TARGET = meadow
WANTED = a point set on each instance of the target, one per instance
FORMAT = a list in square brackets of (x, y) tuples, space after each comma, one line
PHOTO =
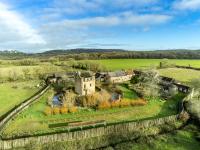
[(117, 64), (183, 75), (12, 93)]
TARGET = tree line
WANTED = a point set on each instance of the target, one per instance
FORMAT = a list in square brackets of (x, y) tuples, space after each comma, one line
[(80, 54)]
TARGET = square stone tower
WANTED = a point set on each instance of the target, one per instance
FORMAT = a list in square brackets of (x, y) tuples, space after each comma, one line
[(84, 83)]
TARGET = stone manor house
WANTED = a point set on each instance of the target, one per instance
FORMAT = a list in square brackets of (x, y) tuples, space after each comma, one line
[(84, 83)]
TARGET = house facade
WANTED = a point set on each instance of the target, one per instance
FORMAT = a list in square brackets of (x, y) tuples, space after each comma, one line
[(84, 83), (118, 76)]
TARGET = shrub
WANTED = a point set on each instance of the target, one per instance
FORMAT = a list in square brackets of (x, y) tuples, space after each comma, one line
[(63, 110), (184, 116), (90, 101), (104, 105), (73, 109), (56, 110), (115, 104), (139, 102), (125, 103), (48, 111)]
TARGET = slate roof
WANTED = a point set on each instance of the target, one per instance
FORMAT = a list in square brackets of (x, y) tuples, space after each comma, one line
[(117, 74)]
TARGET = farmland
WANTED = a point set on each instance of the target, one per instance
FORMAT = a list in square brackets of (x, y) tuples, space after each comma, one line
[(184, 75), (13, 93), (116, 64), (34, 121)]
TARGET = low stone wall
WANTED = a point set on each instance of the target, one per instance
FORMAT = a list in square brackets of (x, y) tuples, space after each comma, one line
[(21, 107), (122, 129)]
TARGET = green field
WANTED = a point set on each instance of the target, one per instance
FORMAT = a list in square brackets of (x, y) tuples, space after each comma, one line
[(12, 93), (183, 75), (33, 119), (116, 64)]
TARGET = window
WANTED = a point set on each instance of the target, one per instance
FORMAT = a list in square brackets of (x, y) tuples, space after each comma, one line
[(84, 86), (90, 84)]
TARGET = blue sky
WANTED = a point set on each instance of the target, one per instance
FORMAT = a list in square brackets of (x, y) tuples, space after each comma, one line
[(39, 25)]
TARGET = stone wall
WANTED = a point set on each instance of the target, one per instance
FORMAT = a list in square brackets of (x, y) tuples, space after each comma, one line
[(120, 79), (122, 129)]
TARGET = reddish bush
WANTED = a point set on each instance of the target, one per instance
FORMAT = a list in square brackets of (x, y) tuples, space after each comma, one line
[(115, 104), (139, 102), (104, 105), (63, 110), (125, 103), (56, 110), (73, 109)]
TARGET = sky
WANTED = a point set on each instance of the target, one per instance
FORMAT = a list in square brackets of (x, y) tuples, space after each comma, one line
[(39, 25)]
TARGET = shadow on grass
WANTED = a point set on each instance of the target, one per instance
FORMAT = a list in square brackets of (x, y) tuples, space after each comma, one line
[(172, 106)]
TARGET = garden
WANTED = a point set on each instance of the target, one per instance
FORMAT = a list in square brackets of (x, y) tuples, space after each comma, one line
[(94, 109)]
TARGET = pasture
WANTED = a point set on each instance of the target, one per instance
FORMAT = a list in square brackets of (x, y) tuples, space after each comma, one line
[(117, 64), (183, 75), (12, 93)]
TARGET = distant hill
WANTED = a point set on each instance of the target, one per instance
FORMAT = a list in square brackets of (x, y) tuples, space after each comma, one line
[(104, 54), (81, 50)]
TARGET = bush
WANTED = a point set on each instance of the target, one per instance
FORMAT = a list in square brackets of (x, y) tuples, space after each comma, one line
[(56, 110), (115, 104), (48, 111), (63, 110), (90, 101), (139, 102), (73, 109), (125, 103), (104, 105)]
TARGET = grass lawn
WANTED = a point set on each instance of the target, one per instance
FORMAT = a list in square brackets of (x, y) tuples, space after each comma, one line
[(117, 64), (33, 119), (10, 96), (184, 75), (127, 93)]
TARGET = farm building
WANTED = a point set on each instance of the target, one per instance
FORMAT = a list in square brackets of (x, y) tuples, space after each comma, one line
[(118, 76), (84, 83)]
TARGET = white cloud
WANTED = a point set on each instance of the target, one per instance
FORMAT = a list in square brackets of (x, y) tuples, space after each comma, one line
[(126, 18), (187, 4), (13, 28)]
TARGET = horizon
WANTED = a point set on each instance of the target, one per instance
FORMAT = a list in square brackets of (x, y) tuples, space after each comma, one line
[(114, 49), (146, 25)]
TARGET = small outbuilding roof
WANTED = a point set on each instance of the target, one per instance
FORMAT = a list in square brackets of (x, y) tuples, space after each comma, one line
[(117, 74)]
